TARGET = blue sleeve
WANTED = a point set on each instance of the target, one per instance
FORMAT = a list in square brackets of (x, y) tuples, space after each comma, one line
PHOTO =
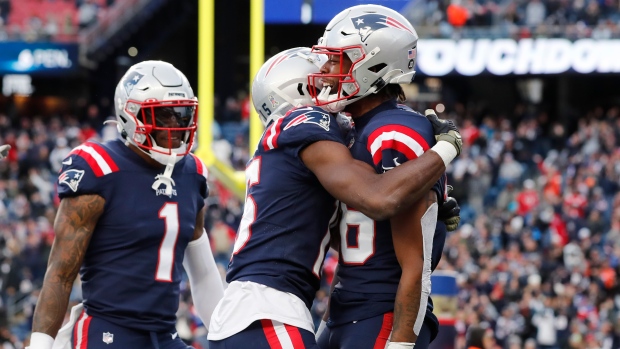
[(201, 174), (300, 128), (78, 178), (204, 193), (395, 139), (439, 241), (440, 188)]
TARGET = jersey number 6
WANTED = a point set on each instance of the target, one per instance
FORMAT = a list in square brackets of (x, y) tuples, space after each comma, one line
[(357, 236)]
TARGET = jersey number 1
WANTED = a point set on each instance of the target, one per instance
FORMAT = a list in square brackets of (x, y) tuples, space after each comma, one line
[(165, 261)]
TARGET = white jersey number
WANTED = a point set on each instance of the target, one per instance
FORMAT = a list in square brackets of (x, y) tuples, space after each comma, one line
[(170, 214), (252, 177), (363, 228)]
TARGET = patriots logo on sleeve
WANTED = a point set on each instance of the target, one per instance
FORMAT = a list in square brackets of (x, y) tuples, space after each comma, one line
[(312, 117), (366, 24), (71, 178)]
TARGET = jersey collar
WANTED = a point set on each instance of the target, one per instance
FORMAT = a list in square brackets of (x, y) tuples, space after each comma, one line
[(362, 121)]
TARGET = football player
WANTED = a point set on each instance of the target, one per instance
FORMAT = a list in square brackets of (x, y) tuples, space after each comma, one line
[(301, 166), (131, 213), (384, 264)]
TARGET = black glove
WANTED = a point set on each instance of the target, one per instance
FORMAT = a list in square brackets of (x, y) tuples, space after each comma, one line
[(449, 212), (445, 130)]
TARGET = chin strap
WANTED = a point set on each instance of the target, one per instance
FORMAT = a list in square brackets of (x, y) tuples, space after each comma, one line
[(166, 177), (331, 105)]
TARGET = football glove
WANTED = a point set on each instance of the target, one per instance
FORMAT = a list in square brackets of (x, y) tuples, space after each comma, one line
[(445, 130), (449, 212)]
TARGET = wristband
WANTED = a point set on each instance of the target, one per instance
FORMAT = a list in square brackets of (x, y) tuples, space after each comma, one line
[(446, 151), (400, 345), (40, 340)]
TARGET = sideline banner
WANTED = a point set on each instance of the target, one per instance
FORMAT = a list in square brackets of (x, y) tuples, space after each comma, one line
[(471, 57), (445, 306), (316, 11), (38, 58)]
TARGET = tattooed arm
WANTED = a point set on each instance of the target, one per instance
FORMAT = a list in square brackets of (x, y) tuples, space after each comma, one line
[(412, 234), (74, 225)]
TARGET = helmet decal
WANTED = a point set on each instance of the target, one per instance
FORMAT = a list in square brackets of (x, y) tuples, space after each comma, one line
[(367, 23), (131, 80), (274, 102), (282, 58)]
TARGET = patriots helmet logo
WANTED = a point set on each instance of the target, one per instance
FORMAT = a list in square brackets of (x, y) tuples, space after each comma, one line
[(366, 24), (131, 80), (312, 117), (71, 178)]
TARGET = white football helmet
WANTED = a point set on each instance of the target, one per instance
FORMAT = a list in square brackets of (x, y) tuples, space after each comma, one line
[(282, 83), (157, 88), (381, 45)]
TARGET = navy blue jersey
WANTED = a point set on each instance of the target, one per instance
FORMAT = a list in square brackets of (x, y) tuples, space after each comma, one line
[(133, 264), (284, 232), (369, 273)]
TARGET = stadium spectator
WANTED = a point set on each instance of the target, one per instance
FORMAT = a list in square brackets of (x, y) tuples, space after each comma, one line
[(534, 13), (5, 10), (87, 14)]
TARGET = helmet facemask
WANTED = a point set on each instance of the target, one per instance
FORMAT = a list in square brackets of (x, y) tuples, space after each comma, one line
[(339, 88), (170, 133)]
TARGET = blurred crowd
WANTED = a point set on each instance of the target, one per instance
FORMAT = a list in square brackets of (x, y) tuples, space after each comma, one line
[(573, 19), (538, 249), (48, 20), (60, 20)]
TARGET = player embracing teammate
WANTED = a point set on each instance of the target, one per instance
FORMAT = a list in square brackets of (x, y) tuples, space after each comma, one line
[(308, 162)]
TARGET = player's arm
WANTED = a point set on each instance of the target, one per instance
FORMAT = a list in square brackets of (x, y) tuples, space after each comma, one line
[(412, 234), (325, 318), (357, 184), (204, 277), (74, 226)]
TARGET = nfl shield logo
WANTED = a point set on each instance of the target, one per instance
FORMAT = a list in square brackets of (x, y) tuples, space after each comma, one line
[(108, 338)]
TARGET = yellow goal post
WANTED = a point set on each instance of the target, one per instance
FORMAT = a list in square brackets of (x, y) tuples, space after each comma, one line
[(229, 177)]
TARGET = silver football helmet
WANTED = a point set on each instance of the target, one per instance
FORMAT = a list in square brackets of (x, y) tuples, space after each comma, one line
[(156, 110), (282, 83), (381, 45)]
